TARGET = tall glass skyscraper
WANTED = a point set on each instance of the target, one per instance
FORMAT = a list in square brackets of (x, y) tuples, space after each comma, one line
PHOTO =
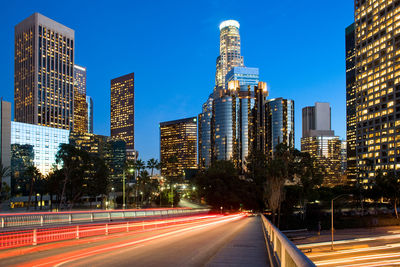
[(279, 123), (44, 72), (80, 107), (229, 51), (245, 76)]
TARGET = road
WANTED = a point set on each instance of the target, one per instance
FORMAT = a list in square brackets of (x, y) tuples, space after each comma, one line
[(355, 247), (228, 241)]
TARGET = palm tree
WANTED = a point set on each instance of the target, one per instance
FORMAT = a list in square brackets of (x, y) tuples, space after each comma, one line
[(34, 175), (152, 164)]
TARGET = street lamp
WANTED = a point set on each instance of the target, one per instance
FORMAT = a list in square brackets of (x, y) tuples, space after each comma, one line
[(350, 195), (123, 188)]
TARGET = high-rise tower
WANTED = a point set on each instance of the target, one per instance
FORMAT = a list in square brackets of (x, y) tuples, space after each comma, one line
[(122, 110), (229, 51), (377, 96), (80, 106), (44, 72)]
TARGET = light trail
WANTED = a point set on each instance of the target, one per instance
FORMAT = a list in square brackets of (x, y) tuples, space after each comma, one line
[(59, 260), (337, 242), (348, 251), (358, 258)]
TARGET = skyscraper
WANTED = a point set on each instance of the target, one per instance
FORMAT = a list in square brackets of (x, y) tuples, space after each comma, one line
[(204, 134), (123, 110), (80, 106), (279, 123), (43, 72), (5, 137), (89, 104), (377, 87), (321, 143), (178, 146), (229, 51), (351, 119)]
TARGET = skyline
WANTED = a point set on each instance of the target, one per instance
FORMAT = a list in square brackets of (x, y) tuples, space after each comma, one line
[(161, 89)]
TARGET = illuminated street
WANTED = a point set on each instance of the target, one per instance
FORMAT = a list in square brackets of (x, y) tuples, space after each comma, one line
[(355, 247), (227, 240)]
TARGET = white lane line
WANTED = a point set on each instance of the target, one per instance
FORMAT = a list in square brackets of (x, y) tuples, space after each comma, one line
[(359, 258), (389, 246)]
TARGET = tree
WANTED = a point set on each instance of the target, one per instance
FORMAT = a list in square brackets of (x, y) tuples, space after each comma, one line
[(152, 164), (34, 174), (389, 187)]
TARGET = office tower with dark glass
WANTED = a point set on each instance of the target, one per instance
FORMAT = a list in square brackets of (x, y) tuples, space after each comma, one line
[(80, 106), (178, 146), (351, 119), (43, 72), (377, 47), (321, 143), (279, 124), (204, 134), (89, 104), (123, 110)]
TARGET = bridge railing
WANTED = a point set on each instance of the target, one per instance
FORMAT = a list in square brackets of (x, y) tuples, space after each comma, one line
[(34, 219), (281, 250)]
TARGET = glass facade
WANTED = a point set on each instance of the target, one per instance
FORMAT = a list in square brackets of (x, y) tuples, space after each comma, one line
[(223, 129), (43, 72), (351, 120), (178, 146), (22, 157), (205, 121), (44, 140), (80, 106), (327, 152), (123, 109), (279, 123), (245, 76), (89, 103)]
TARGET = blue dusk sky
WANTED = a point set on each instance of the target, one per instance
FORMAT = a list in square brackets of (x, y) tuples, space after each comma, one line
[(172, 46)]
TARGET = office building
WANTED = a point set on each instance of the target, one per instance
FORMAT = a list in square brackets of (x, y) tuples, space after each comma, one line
[(89, 142), (44, 140), (377, 87), (89, 104), (279, 121), (178, 146), (123, 112), (44, 73), (245, 76), (229, 51), (204, 134), (22, 157), (351, 119), (80, 106), (5, 137), (321, 143)]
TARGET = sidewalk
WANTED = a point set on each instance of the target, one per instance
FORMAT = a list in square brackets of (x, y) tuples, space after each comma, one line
[(247, 248)]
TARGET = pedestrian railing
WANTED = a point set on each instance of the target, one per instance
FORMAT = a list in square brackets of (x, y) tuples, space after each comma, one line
[(46, 235), (72, 217), (282, 252)]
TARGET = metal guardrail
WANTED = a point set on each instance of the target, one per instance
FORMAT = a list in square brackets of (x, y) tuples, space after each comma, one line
[(37, 236), (281, 250), (51, 218)]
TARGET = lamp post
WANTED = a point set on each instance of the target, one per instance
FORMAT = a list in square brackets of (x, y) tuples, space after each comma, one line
[(350, 195), (123, 190)]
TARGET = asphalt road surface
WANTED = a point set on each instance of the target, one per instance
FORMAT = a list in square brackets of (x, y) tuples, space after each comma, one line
[(228, 241), (355, 247)]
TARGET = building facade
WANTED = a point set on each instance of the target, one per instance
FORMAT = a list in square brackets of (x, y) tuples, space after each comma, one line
[(204, 134), (351, 119), (178, 146), (377, 87), (44, 73), (80, 106), (279, 124), (5, 137), (44, 140), (123, 110), (89, 104), (320, 142)]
